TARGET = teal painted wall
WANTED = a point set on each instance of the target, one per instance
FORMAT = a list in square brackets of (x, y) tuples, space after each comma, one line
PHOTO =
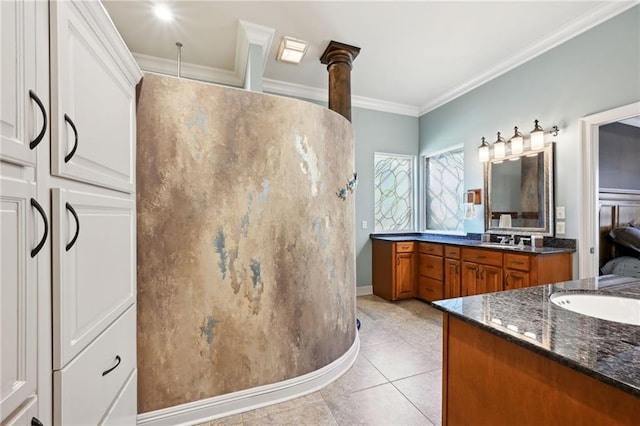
[(375, 132), (593, 72)]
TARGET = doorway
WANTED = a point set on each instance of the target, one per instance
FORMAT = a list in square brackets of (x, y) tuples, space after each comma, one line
[(588, 250)]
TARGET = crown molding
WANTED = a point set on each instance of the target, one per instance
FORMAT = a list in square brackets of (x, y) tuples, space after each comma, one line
[(569, 31), (189, 70), (316, 94)]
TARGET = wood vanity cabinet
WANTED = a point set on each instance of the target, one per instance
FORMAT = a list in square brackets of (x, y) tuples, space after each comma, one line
[(481, 271), (394, 269), (452, 272), (431, 271)]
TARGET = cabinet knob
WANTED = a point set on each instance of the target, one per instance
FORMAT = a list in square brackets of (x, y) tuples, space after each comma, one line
[(36, 422)]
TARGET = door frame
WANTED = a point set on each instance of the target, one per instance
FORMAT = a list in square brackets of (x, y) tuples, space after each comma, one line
[(589, 229)]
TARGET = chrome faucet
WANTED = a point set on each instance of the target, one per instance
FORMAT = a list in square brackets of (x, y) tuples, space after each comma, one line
[(508, 240)]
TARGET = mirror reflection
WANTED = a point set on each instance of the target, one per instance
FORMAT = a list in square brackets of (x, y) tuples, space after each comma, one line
[(519, 194)]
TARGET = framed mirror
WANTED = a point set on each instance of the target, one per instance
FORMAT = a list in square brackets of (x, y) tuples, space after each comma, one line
[(519, 194)]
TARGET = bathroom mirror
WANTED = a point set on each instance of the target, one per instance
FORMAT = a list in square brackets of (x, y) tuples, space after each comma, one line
[(519, 193)]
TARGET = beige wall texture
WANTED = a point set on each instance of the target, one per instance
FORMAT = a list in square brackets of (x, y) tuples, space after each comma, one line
[(246, 268)]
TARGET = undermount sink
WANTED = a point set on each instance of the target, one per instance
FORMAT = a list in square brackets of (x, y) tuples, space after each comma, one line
[(611, 308)]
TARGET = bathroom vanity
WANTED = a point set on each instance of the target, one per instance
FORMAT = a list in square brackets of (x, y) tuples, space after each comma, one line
[(433, 269), (517, 357)]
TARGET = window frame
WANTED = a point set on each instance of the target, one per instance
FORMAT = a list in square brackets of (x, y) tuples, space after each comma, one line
[(415, 190), (425, 157)]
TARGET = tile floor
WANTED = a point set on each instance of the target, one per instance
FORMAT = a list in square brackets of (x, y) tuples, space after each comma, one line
[(396, 379)]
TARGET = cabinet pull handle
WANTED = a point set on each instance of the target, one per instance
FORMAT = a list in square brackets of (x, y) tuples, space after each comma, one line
[(36, 422), (38, 207), (481, 257), (506, 279), (75, 216), (75, 143), (38, 102), (517, 262), (118, 359)]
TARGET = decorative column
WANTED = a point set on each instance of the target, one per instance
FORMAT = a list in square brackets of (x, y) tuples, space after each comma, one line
[(338, 57)]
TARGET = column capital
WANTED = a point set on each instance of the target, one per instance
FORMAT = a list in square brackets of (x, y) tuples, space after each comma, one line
[(339, 52)]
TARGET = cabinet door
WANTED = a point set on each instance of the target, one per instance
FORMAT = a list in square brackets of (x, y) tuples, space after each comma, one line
[(92, 105), (470, 277), (491, 279), (405, 276), (515, 279), (18, 292), (18, 113), (93, 267), (451, 278)]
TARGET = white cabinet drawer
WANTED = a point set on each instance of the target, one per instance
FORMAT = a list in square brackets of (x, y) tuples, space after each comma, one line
[(85, 389), (92, 104), (94, 280), (125, 408)]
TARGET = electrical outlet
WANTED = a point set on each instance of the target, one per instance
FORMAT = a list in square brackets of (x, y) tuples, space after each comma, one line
[(364, 224), (560, 228), (560, 213)]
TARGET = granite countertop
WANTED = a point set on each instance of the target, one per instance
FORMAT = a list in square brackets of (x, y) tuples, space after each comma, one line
[(469, 242), (606, 350)]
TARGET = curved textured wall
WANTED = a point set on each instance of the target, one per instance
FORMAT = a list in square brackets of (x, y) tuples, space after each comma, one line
[(245, 252)]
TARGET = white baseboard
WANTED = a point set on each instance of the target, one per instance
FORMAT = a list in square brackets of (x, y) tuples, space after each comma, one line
[(364, 290), (237, 402)]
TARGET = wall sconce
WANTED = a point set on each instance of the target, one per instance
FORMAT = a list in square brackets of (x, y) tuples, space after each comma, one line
[(516, 143), (291, 50), (499, 147)]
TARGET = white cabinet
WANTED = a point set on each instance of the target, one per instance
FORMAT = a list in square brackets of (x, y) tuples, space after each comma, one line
[(94, 278), (18, 77), (18, 292), (91, 286), (23, 213), (89, 93)]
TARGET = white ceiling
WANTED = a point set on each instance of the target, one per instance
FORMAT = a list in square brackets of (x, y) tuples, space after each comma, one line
[(415, 55)]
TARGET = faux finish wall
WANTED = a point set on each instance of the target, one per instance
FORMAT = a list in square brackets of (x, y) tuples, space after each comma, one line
[(245, 252), (595, 71)]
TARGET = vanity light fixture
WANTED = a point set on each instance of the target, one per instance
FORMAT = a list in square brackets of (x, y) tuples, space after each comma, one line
[(163, 12), (516, 142), (499, 147), (291, 50), (483, 151)]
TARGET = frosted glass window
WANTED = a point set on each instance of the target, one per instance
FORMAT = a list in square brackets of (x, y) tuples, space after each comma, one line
[(444, 183), (394, 178)]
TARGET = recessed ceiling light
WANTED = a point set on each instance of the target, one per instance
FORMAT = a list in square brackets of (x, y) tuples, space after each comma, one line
[(291, 50), (163, 12)]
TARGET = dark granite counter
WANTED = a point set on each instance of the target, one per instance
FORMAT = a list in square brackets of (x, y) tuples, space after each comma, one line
[(471, 241), (606, 350)]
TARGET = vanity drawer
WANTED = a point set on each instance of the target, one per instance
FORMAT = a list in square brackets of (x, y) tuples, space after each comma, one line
[(430, 266), (430, 289), (431, 248), (85, 389), (405, 247), (452, 252), (486, 257), (521, 262)]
